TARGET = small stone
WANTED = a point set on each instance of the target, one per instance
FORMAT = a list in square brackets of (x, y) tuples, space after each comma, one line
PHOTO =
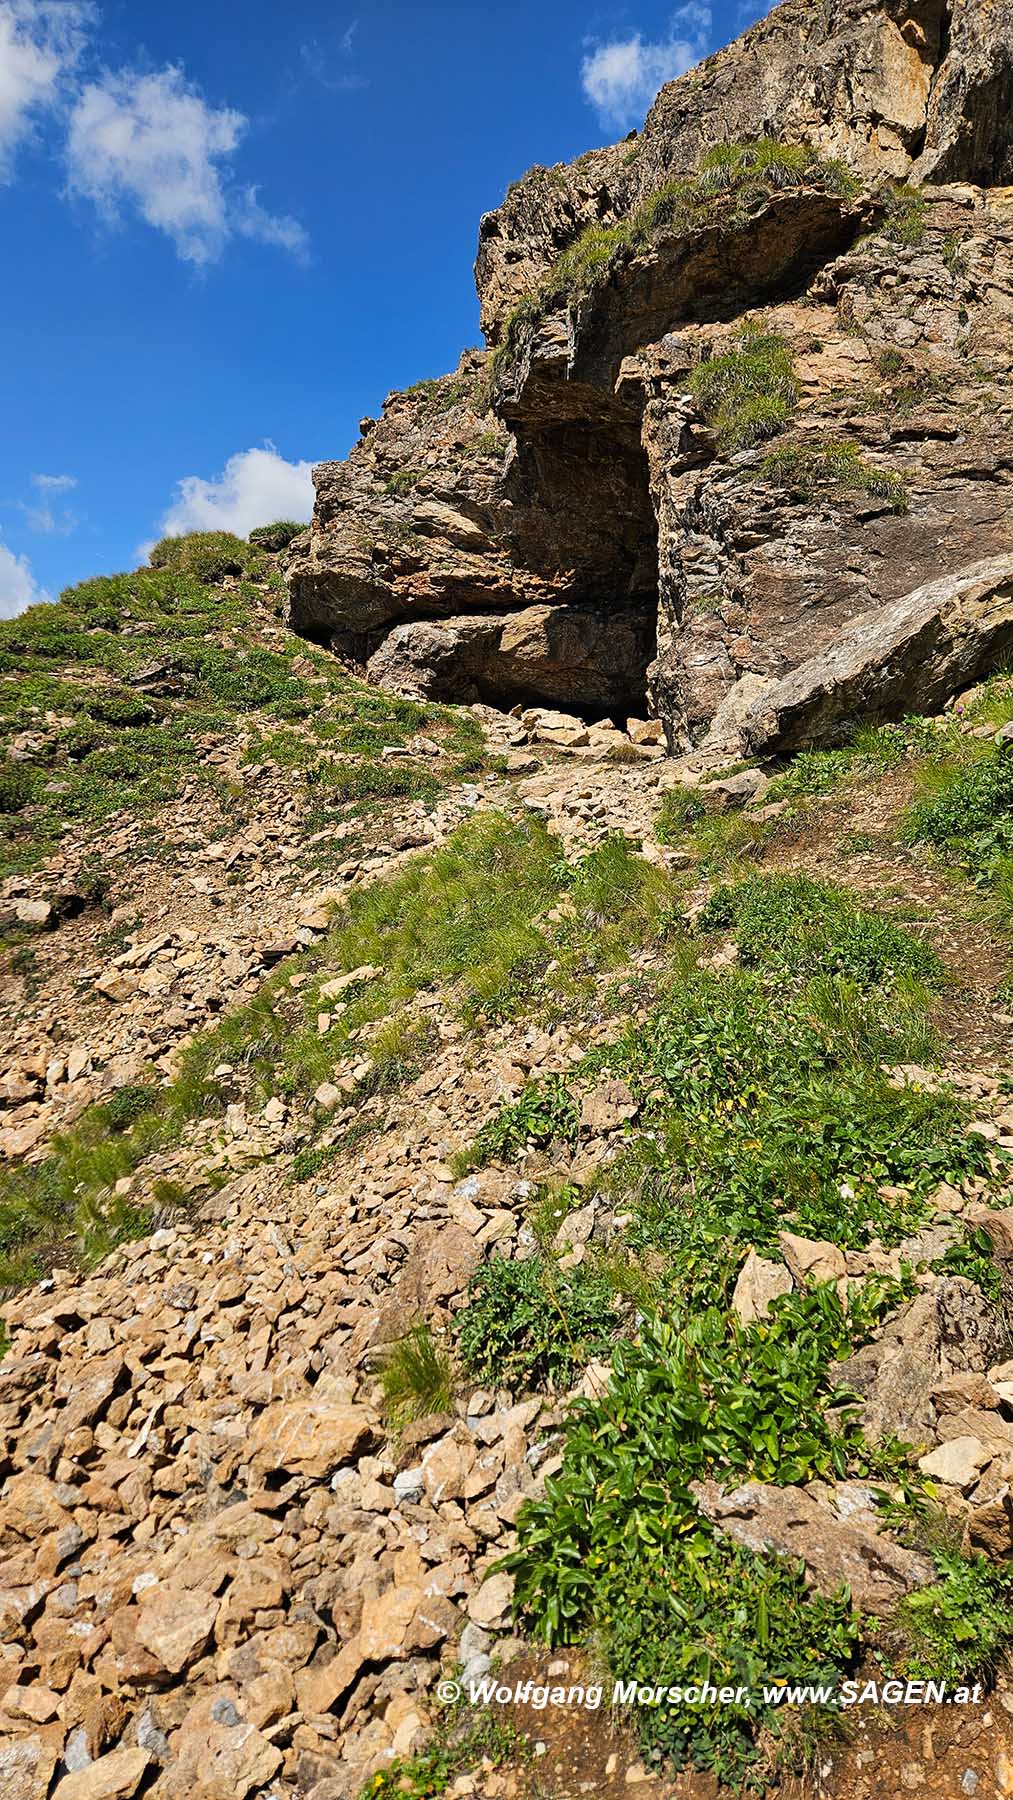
[(490, 1604), (956, 1463), (112, 1777), (759, 1284)]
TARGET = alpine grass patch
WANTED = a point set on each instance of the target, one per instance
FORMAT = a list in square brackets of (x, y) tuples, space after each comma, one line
[(804, 466), (749, 393)]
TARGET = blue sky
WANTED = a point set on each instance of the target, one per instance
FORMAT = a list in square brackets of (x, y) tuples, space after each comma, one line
[(230, 229)]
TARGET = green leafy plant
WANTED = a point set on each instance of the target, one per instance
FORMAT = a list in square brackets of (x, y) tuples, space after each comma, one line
[(970, 813), (532, 1324), (207, 555), (765, 1104), (618, 1544), (956, 1629), (18, 783), (797, 927), (973, 1256), (545, 1112)]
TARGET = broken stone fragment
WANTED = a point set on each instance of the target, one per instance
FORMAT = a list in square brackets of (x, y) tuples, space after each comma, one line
[(811, 1260), (956, 1463), (760, 1283), (607, 1106), (311, 1436), (113, 1777)]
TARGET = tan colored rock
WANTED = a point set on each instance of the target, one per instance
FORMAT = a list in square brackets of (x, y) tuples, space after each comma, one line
[(447, 1465), (811, 1260), (956, 1463), (223, 1758), (760, 1282), (794, 1523), (26, 1767), (312, 1436), (608, 1105), (113, 1777), (401, 1620), (175, 1624), (114, 985), (35, 1701), (950, 1329), (490, 1604), (645, 731)]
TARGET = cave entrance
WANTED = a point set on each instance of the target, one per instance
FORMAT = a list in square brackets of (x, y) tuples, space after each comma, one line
[(586, 525)]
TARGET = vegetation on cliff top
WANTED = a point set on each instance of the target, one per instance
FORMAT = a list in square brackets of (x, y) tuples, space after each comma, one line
[(729, 178)]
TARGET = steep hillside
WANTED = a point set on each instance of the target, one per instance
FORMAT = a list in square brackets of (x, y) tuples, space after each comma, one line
[(506, 1213)]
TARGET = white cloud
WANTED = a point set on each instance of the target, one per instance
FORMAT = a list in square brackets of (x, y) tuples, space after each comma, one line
[(18, 586), (55, 483), (622, 77), (154, 144), (49, 523), (320, 65), (40, 41), (254, 488)]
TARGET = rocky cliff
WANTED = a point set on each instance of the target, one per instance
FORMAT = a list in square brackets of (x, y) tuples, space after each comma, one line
[(746, 386)]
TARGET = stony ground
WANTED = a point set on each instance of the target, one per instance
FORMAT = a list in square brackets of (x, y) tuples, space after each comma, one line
[(222, 1574)]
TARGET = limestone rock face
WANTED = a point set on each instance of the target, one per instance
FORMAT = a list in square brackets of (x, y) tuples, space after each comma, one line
[(561, 520), (895, 87)]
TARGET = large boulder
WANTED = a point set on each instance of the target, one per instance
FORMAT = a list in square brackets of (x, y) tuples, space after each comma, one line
[(835, 1534), (907, 657), (949, 1329)]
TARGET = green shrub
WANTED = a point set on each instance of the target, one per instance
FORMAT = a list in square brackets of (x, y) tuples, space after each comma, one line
[(460, 1746), (905, 217), (680, 808), (813, 773), (416, 1377), (277, 536), (804, 467), (128, 1104), (532, 1324), (207, 555), (971, 813), (18, 784), (121, 709), (402, 481), (957, 1629), (796, 927), (751, 392)]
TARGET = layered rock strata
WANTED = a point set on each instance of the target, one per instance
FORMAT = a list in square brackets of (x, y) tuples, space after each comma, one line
[(561, 520)]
